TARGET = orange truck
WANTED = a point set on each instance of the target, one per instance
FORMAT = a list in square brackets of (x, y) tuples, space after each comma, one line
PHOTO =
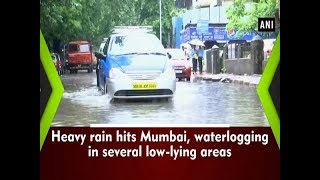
[(79, 55)]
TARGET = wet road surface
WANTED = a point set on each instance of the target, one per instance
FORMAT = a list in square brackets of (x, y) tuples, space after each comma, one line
[(195, 102)]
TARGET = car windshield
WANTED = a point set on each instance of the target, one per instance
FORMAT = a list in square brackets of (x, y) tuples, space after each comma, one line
[(84, 48), (73, 47), (136, 44), (79, 48), (177, 54)]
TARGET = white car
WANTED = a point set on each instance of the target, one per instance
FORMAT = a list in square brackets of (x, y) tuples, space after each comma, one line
[(135, 65)]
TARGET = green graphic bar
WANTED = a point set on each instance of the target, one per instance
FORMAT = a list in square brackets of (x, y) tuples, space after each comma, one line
[(57, 90), (263, 90)]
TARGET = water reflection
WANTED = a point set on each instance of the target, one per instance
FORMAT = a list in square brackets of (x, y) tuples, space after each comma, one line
[(194, 102)]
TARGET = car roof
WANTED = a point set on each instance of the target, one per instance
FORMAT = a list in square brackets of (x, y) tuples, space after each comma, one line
[(132, 29), (130, 34), (79, 42)]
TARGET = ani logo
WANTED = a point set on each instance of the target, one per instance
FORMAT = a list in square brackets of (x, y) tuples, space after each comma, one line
[(266, 24)]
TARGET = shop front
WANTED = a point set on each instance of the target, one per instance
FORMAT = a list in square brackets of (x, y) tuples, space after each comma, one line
[(216, 35)]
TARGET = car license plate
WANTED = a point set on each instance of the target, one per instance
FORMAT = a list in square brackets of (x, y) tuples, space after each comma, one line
[(178, 71), (145, 85)]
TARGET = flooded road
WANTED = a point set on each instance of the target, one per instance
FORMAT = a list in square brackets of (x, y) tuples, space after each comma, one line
[(195, 102)]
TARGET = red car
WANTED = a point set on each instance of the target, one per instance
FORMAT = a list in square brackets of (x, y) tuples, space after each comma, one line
[(182, 66)]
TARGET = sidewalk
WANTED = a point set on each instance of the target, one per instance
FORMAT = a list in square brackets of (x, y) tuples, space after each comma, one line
[(251, 80)]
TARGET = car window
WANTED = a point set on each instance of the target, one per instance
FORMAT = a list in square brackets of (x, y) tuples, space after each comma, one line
[(84, 48), (73, 48), (101, 47), (136, 43), (105, 48)]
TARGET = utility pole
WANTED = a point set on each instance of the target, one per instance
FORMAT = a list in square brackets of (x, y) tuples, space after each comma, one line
[(219, 13), (160, 22)]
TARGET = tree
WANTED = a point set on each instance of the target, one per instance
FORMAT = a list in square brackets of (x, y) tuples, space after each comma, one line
[(246, 19), (64, 20)]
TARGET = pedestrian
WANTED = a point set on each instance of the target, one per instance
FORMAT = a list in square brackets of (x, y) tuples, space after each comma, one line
[(200, 53), (194, 56)]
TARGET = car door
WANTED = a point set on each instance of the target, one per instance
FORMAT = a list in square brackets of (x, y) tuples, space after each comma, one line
[(103, 65)]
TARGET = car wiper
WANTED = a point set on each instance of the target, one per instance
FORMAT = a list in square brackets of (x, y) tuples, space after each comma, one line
[(133, 53), (142, 53), (158, 53), (126, 54)]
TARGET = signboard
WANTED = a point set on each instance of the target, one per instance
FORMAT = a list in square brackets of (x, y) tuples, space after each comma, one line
[(216, 34), (186, 35), (202, 26)]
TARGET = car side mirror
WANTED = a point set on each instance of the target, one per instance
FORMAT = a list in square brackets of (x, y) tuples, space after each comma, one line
[(169, 55), (99, 55)]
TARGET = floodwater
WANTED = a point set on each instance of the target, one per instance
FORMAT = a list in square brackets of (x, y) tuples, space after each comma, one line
[(195, 102)]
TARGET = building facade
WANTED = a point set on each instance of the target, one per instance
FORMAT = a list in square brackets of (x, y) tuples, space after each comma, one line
[(214, 13)]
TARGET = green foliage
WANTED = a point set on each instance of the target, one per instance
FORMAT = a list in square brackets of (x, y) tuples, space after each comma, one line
[(246, 19), (64, 20)]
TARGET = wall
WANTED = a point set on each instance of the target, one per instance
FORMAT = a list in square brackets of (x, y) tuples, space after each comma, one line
[(239, 67)]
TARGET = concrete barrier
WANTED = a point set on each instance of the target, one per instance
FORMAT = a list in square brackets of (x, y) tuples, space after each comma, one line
[(212, 61), (239, 66)]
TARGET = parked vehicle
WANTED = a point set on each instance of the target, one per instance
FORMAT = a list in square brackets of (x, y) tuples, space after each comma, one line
[(267, 47), (135, 65), (80, 56), (58, 63), (181, 64)]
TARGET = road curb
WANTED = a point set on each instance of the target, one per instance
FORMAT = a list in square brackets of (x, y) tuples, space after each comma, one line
[(229, 78)]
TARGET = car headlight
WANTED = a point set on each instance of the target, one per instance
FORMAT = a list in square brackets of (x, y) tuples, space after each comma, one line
[(116, 73)]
